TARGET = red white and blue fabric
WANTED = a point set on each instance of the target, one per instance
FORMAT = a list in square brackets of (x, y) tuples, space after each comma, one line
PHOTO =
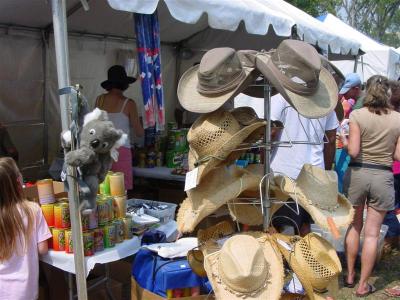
[(147, 30)]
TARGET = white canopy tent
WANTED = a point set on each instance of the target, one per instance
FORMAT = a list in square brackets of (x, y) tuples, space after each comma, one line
[(103, 36), (378, 58)]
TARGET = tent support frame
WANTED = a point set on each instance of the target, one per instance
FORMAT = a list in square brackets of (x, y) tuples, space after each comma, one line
[(63, 75)]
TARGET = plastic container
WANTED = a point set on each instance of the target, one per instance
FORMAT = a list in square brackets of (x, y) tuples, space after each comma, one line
[(164, 215), (339, 243)]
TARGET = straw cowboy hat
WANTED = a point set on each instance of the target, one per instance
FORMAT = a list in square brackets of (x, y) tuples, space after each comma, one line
[(222, 184), (214, 136), (207, 239), (314, 261), (317, 192), (218, 78), (247, 266), (295, 70)]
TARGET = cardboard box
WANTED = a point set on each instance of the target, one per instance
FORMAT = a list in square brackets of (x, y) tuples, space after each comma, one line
[(138, 293), (31, 192)]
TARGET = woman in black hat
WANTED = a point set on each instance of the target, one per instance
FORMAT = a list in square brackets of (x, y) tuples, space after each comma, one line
[(123, 112)]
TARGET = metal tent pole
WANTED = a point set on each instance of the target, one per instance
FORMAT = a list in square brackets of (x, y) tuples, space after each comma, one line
[(267, 159), (61, 47)]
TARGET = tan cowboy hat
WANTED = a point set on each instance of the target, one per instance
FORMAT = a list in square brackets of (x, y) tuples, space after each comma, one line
[(222, 184), (213, 138), (295, 70), (247, 212), (313, 260), (207, 239), (247, 266), (218, 78), (317, 192)]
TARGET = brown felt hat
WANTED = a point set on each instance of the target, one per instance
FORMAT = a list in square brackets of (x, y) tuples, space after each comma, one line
[(295, 70)]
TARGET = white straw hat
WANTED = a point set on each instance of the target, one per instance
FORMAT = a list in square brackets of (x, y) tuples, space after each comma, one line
[(317, 192), (248, 266)]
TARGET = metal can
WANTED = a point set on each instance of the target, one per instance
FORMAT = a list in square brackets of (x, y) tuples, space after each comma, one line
[(88, 243), (178, 140), (142, 160), (68, 242), (159, 159), (58, 239), (98, 239), (48, 213), (127, 227), (119, 205), (93, 220), (61, 215), (104, 209), (109, 235), (185, 145), (151, 159), (85, 222), (119, 230)]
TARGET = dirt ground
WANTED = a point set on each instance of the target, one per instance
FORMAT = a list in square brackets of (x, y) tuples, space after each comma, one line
[(385, 275)]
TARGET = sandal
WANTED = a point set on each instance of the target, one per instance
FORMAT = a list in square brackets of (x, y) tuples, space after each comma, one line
[(393, 292), (349, 285), (371, 290)]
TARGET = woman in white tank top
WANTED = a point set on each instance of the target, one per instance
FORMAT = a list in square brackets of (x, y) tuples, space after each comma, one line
[(123, 113)]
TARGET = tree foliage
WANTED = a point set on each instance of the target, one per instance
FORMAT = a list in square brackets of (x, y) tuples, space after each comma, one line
[(379, 19)]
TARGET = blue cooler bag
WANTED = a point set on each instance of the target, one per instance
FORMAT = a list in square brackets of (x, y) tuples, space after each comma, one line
[(158, 274)]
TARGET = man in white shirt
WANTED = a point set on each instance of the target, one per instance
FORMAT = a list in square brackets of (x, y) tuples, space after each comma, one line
[(289, 160)]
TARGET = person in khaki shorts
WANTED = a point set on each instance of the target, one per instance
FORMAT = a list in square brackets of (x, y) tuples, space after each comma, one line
[(373, 143)]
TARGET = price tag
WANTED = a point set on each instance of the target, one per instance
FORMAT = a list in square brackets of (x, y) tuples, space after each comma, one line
[(191, 179)]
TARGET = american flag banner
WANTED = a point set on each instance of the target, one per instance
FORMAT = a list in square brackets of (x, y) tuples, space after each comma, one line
[(147, 30)]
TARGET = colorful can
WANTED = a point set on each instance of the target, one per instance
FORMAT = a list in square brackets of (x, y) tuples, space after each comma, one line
[(48, 213), (58, 239), (185, 145), (85, 222), (159, 159), (93, 220), (109, 235), (117, 184), (119, 206), (98, 239), (45, 191), (61, 215), (68, 242), (142, 160), (151, 159), (104, 209), (119, 230), (88, 243), (127, 227)]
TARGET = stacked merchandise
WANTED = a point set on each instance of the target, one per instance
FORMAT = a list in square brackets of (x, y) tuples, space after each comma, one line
[(152, 155), (249, 264), (177, 149), (102, 228)]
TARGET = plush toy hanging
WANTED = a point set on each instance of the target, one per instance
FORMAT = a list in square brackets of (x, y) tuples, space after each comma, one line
[(99, 141)]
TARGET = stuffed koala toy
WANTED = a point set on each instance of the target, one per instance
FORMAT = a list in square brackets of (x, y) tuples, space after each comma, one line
[(99, 141)]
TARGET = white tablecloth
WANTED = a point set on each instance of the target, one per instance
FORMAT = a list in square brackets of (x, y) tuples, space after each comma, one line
[(65, 261), (157, 173)]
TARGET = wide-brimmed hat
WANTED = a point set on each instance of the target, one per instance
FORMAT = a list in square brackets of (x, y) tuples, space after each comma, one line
[(222, 184), (247, 266), (117, 75), (207, 239), (317, 192), (312, 259), (295, 70), (218, 78), (213, 137)]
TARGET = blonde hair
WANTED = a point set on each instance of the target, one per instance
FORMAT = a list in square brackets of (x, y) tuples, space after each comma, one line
[(14, 233), (378, 95)]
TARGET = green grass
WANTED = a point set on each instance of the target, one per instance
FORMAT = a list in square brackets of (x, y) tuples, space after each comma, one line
[(385, 275)]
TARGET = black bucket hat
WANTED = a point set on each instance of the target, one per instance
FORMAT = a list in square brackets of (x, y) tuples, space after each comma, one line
[(116, 75)]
